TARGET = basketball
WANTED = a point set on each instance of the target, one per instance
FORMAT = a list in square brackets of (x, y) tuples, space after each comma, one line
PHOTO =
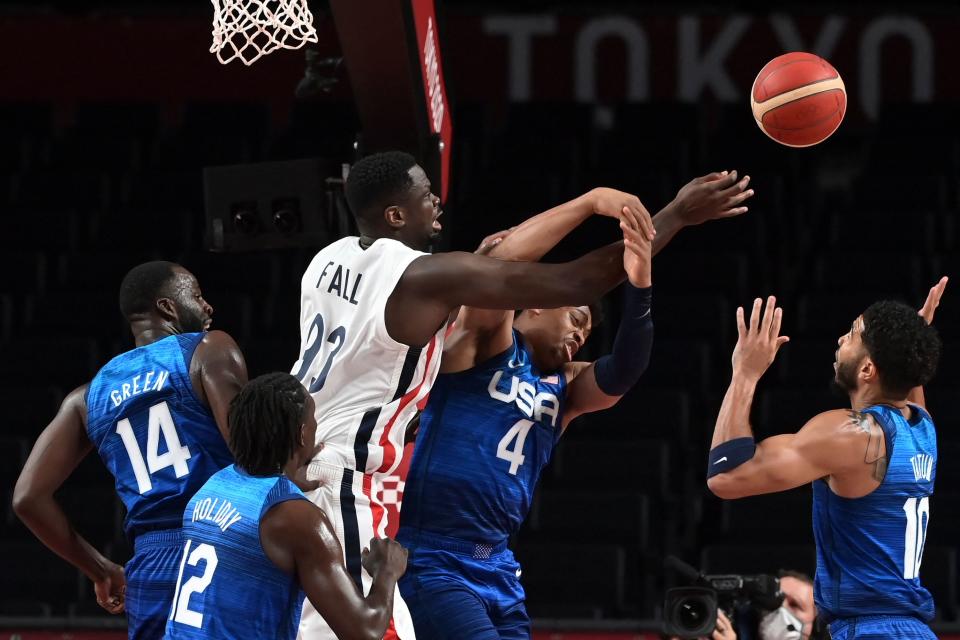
[(798, 99)]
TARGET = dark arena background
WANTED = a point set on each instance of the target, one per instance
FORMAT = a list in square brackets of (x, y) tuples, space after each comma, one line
[(123, 139)]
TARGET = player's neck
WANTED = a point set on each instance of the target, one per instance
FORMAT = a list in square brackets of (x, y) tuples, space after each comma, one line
[(869, 396), (148, 331)]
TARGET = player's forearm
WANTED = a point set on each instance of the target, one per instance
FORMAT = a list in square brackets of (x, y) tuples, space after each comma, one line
[(380, 605), (667, 223), (733, 421), (533, 238), (580, 282), (44, 517)]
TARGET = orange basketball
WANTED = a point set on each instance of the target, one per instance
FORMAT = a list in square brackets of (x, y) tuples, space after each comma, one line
[(798, 99)]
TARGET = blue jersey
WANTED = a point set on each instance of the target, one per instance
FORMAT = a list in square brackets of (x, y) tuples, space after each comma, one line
[(228, 587), (484, 438), (869, 549), (153, 433)]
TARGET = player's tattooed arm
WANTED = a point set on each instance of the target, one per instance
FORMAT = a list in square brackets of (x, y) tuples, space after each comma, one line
[(830, 443), (875, 454)]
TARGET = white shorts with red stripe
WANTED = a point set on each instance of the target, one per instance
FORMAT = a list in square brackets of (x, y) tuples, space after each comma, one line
[(348, 498)]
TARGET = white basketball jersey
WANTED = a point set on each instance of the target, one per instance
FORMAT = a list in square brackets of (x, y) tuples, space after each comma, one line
[(365, 384)]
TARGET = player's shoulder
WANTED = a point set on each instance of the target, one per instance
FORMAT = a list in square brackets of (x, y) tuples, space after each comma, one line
[(573, 369), (218, 339), (293, 523), (839, 429), (76, 400)]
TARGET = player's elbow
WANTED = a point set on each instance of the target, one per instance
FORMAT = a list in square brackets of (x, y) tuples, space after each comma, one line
[(721, 485), (23, 500)]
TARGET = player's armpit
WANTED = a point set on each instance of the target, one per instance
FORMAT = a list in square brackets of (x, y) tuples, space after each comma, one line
[(478, 335), (583, 393), (830, 443), (222, 373)]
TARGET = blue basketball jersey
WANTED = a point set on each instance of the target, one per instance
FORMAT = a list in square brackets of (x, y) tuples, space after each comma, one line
[(869, 549), (153, 433), (228, 587), (484, 438)]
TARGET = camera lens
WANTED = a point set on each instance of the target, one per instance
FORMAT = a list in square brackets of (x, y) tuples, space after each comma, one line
[(691, 613)]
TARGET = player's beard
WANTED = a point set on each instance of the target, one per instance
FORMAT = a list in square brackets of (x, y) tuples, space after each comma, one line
[(845, 380), (190, 321)]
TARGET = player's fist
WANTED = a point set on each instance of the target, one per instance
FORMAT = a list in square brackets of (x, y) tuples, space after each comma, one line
[(384, 554), (625, 206), (111, 588)]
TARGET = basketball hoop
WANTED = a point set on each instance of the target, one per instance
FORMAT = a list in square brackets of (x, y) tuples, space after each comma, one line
[(250, 29)]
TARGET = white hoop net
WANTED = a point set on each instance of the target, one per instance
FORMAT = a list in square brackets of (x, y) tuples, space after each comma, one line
[(250, 29)]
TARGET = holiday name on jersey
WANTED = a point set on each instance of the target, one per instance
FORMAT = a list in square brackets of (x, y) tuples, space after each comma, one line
[(532, 404), (339, 282), (143, 383), (223, 514)]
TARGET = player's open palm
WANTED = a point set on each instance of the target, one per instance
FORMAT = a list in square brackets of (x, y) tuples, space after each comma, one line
[(713, 196), (759, 340), (111, 589), (384, 554), (637, 250)]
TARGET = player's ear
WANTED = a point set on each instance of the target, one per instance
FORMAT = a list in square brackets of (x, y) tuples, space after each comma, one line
[(868, 370), (167, 309), (535, 312), (394, 217)]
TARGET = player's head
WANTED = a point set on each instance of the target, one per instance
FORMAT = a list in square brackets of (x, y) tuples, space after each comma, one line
[(555, 335), (166, 292), (890, 347), (271, 424), (390, 196)]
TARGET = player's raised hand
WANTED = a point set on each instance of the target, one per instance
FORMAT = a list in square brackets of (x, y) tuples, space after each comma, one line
[(626, 206), (758, 341), (711, 197), (111, 589), (933, 300), (384, 554), (637, 253)]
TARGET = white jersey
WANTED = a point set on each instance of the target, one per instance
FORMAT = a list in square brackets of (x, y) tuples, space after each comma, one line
[(365, 384)]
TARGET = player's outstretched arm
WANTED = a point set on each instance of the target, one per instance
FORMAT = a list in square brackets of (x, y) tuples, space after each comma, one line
[(916, 395), (601, 384), (434, 285), (832, 443), (57, 452), (715, 196), (482, 333), (221, 371), (533, 238), (299, 539)]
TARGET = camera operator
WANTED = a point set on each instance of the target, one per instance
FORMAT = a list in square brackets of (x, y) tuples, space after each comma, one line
[(724, 630)]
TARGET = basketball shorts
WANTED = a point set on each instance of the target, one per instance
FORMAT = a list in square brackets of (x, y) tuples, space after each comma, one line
[(457, 589), (880, 628), (347, 497), (151, 581)]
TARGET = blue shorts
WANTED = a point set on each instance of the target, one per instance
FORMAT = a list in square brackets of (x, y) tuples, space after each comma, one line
[(151, 580), (456, 589), (880, 628)]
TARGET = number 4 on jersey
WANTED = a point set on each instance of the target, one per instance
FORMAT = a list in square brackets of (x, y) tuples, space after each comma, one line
[(176, 455), (514, 456)]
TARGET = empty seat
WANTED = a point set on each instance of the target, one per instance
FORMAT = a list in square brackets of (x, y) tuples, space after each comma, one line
[(586, 576), (786, 517), (26, 271), (938, 573), (701, 272), (601, 516), (830, 315), (898, 273), (758, 558), (684, 364), (90, 313), (805, 362), (66, 362), (29, 408), (643, 465), (31, 571), (786, 410), (641, 414)]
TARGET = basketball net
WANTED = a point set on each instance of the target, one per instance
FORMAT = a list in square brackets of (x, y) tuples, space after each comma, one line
[(250, 29)]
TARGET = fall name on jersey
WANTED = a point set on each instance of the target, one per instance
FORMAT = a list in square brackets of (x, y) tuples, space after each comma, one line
[(220, 512), (340, 281), (141, 383)]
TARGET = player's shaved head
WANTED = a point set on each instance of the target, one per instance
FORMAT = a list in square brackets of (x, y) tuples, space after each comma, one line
[(144, 285), (377, 182)]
